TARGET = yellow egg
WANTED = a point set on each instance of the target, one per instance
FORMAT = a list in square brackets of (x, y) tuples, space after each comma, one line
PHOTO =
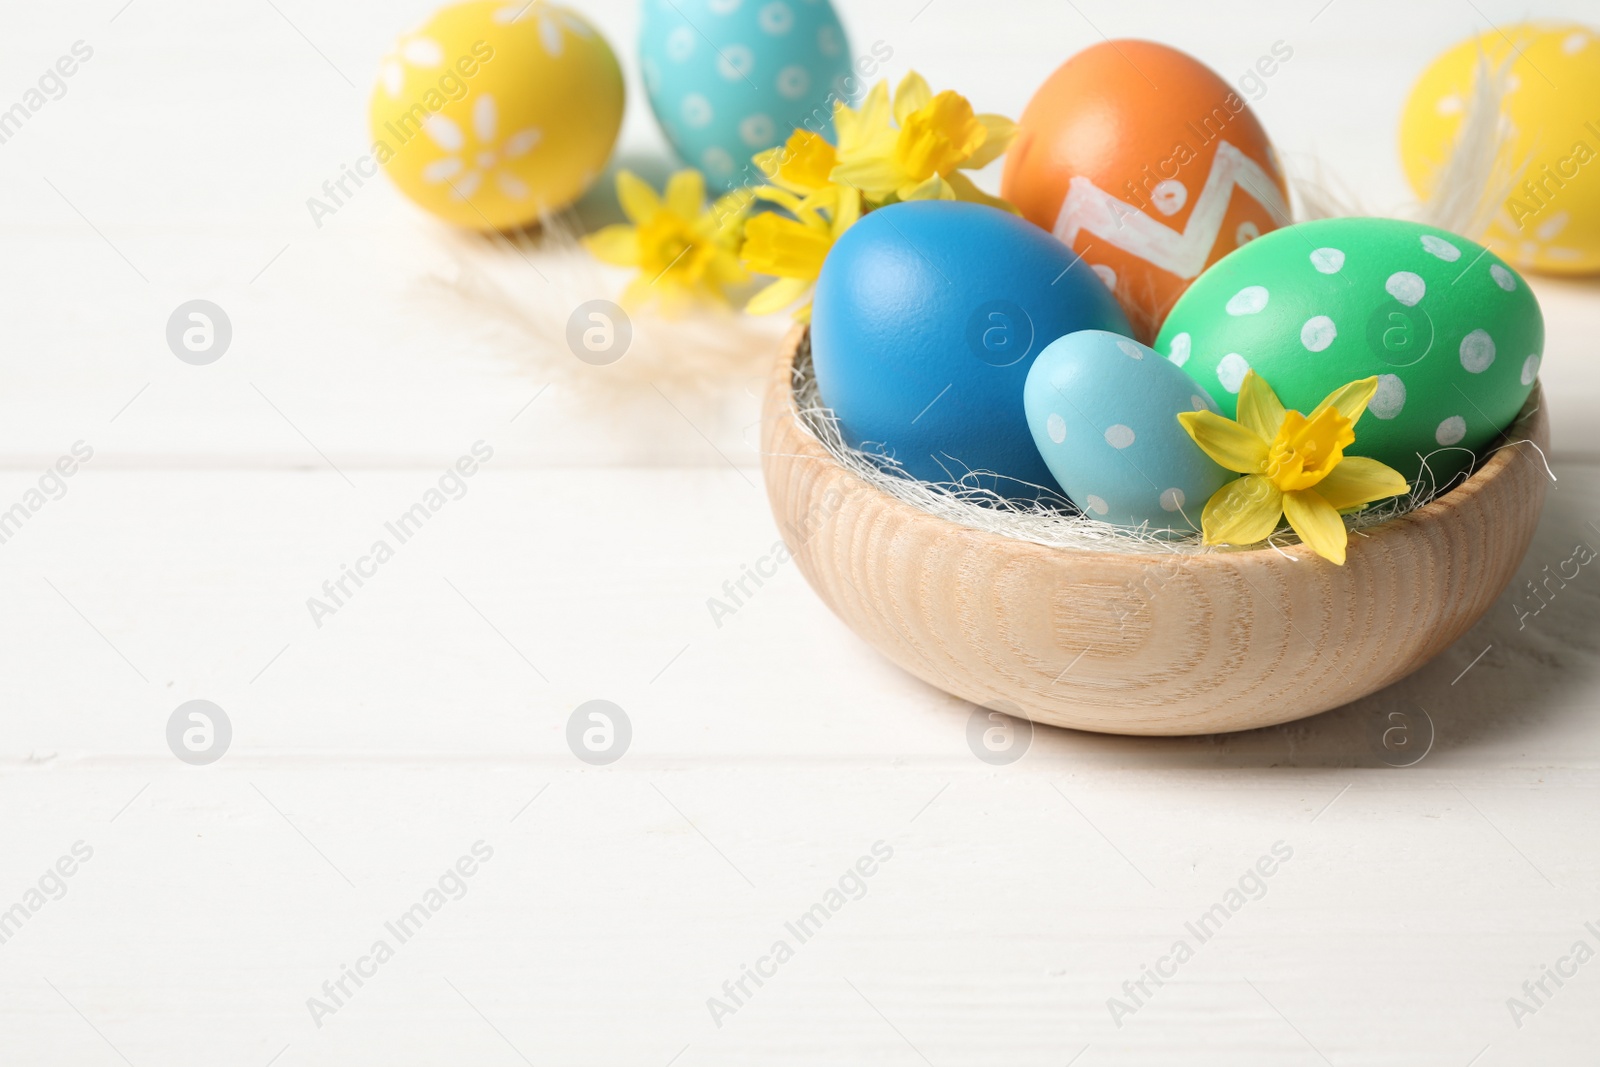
[(1551, 219), (495, 111)]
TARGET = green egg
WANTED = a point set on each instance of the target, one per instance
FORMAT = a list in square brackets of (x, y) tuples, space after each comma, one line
[(1452, 333)]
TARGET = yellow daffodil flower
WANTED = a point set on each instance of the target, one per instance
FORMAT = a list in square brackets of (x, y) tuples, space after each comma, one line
[(937, 138), (800, 165), (1293, 465), (792, 249), (683, 249)]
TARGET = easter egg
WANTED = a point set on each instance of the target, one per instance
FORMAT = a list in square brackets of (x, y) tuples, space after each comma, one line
[(1550, 115), (730, 78), (1149, 165), (1453, 335), (1103, 410), (495, 112), (926, 318)]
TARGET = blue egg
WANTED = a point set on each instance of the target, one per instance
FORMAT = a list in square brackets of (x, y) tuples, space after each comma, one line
[(730, 78), (926, 319), (1104, 414)]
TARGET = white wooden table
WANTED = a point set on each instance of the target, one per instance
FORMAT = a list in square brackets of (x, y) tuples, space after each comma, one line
[(770, 754)]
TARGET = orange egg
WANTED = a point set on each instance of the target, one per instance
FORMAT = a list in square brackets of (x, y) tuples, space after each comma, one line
[(1148, 165)]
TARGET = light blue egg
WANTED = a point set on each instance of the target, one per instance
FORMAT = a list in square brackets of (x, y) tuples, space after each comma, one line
[(1103, 410), (730, 78)]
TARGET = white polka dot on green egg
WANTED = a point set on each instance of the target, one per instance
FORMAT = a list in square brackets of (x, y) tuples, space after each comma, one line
[(1433, 316), (1104, 415)]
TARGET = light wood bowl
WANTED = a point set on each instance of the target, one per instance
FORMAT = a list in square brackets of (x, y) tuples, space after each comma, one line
[(1147, 644)]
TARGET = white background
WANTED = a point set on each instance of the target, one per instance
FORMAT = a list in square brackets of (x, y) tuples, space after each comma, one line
[(768, 754)]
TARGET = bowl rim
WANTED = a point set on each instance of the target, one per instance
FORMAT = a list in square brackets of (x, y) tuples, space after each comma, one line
[(1530, 427)]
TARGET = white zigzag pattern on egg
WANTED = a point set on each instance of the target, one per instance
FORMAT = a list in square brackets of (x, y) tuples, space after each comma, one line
[(1088, 207)]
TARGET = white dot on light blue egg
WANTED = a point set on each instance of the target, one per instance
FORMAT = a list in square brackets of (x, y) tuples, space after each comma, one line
[(1201, 403), (1477, 351), (1327, 260), (1438, 246), (1129, 349), (1406, 287), (828, 41), (1502, 277), (1096, 505), (680, 44), (1056, 427), (1389, 398), (1318, 333), (1179, 354), (1248, 301), (757, 131), (1172, 499), (735, 61), (1231, 370), (776, 18), (1451, 430), (1119, 436), (717, 162), (793, 82), (696, 110), (1530, 370)]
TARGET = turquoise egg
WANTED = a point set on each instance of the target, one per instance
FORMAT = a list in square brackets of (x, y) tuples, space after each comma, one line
[(1103, 410), (926, 319), (730, 78)]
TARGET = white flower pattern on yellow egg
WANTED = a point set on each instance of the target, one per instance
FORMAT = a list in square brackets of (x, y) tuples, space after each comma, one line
[(421, 52), (465, 170), (554, 23)]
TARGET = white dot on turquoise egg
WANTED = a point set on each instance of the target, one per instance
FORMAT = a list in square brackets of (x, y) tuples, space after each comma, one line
[(680, 44), (1530, 370), (1200, 403), (1248, 301), (828, 41), (1451, 430), (1056, 427), (1096, 505), (757, 131), (1179, 353), (793, 82), (1129, 349), (1327, 260), (735, 61), (1389, 398), (1119, 436), (1107, 275), (696, 110), (717, 161), (1438, 246), (1477, 351), (776, 18), (1172, 499), (1169, 196), (1502, 277), (1231, 370), (1318, 333), (1406, 287)]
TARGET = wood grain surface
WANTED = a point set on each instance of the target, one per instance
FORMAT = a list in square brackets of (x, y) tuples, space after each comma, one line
[(1147, 644)]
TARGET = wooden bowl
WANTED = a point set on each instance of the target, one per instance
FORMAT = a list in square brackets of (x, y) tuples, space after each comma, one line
[(1147, 644)]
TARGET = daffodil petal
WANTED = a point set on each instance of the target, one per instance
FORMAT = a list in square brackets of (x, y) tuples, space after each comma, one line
[(873, 115), (777, 296), (1234, 446), (876, 176), (782, 197), (846, 211), (1350, 400), (639, 202), (1001, 132), (932, 187), (1259, 407), (1358, 480), (1317, 522), (1242, 512), (966, 189), (617, 244), (686, 193), (911, 94)]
